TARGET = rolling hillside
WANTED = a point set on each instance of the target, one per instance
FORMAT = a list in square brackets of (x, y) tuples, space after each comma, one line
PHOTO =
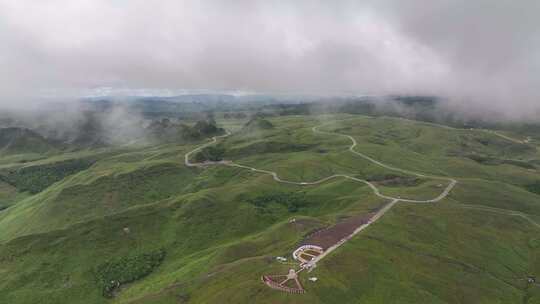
[(135, 225)]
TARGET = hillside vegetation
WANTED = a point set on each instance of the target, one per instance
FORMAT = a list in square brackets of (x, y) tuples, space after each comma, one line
[(135, 225), (34, 179)]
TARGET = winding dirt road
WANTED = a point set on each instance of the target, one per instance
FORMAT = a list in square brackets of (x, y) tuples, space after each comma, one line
[(393, 200), (451, 182)]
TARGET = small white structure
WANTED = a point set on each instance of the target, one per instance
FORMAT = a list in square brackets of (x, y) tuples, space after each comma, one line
[(305, 247), (281, 259), (307, 254), (313, 279)]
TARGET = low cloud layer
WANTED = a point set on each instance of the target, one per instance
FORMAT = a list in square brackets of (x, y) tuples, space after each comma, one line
[(480, 53)]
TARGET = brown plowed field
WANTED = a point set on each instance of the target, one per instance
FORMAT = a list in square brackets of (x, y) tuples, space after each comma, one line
[(333, 234)]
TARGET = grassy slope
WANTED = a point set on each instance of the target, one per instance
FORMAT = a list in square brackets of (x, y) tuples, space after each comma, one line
[(9, 195), (395, 262), (218, 245), (207, 227)]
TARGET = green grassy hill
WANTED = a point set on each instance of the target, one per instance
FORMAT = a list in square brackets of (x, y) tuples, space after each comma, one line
[(167, 233)]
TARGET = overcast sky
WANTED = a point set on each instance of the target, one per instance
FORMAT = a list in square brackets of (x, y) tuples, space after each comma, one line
[(479, 52)]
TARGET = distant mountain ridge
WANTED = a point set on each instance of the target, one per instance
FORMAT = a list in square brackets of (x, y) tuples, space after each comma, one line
[(21, 140)]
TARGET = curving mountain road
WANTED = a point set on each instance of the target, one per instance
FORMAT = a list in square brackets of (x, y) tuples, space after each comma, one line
[(211, 142), (393, 200), (451, 182)]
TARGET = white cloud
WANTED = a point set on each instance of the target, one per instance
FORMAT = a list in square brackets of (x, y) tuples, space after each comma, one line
[(484, 51)]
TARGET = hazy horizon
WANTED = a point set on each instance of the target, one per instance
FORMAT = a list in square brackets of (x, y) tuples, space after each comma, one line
[(476, 54)]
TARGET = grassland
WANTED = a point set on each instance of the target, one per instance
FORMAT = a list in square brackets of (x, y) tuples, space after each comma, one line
[(220, 227)]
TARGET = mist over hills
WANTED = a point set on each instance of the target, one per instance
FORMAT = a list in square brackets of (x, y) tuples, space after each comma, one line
[(114, 120)]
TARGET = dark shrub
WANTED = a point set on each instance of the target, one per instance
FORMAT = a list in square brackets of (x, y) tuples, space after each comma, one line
[(112, 274), (35, 179)]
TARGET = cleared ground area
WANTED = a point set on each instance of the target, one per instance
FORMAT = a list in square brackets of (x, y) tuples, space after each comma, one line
[(328, 237)]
